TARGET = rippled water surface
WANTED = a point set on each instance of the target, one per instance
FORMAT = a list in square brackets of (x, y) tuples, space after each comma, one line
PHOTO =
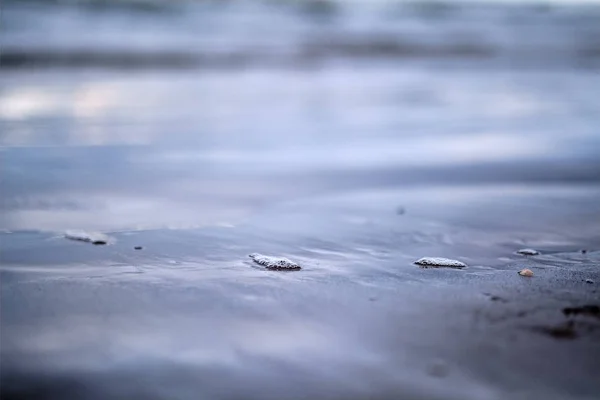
[(350, 137)]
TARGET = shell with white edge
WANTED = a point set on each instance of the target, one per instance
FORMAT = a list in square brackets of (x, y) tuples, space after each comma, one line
[(90, 237), (439, 262), (274, 263), (528, 252)]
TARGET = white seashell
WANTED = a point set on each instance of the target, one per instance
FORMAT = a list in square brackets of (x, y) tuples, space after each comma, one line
[(528, 252), (274, 263), (437, 262), (90, 237)]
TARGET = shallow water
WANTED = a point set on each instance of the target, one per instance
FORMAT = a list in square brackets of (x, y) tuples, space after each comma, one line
[(352, 139)]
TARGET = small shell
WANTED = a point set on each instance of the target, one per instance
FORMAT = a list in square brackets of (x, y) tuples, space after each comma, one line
[(90, 237), (526, 272), (437, 262), (274, 263), (528, 252)]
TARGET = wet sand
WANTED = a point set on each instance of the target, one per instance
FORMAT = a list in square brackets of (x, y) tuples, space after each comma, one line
[(191, 313)]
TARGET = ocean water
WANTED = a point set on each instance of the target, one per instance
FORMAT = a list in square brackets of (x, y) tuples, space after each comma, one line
[(352, 138)]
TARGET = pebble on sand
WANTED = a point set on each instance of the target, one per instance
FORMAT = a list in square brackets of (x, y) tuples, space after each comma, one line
[(138, 247), (528, 252), (274, 263), (438, 262), (589, 281), (526, 272), (89, 237)]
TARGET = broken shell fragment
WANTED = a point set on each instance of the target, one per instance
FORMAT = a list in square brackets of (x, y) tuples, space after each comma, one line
[(528, 252), (96, 238), (274, 263), (526, 272), (439, 262)]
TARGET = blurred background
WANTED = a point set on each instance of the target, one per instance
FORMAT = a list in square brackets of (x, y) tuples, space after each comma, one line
[(123, 114)]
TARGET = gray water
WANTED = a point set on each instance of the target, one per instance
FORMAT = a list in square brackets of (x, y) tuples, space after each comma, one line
[(351, 137)]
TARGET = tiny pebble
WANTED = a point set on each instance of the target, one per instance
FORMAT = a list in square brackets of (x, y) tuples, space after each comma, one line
[(583, 251), (589, 281), (526, 272), (138, 247)]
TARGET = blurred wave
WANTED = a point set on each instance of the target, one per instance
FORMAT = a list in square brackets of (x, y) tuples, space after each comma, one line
[(193, 34), (283, 99), (331, 48)]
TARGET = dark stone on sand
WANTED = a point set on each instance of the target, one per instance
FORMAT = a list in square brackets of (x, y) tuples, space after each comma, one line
[(565, 331), (583, 251), (138, 247), (99, 242), (589, 310), (588, 281), (496, 298), (522, 314)]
